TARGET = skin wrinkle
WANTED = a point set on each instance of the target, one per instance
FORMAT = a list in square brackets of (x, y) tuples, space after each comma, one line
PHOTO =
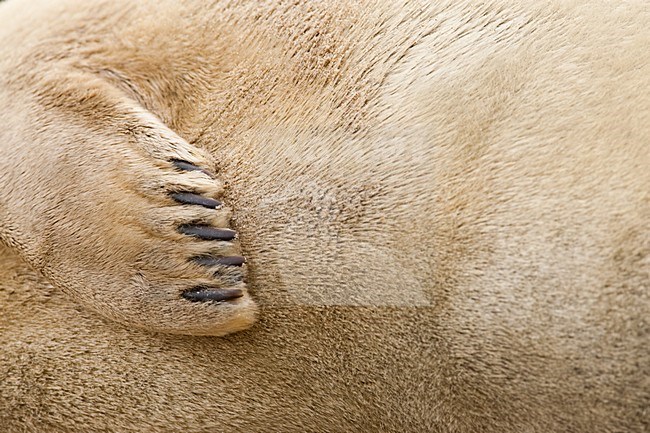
[(443, 208)]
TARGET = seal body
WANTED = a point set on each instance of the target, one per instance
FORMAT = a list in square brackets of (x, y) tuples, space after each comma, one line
[(443, 208)]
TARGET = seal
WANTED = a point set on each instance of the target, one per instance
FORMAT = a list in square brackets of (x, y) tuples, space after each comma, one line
[(440, 209)]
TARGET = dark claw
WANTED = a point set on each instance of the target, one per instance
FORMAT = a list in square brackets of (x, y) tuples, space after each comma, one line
[(190, 198), (208, 233), (225, 261), (201, 294), (188, 166)]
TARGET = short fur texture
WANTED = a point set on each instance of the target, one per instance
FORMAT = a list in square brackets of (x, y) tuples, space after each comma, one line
[(444, 207)]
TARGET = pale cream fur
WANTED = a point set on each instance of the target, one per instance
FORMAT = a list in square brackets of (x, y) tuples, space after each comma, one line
[(444, 208)]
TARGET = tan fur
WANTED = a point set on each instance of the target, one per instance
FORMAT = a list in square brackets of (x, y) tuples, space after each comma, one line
[(444, 208)]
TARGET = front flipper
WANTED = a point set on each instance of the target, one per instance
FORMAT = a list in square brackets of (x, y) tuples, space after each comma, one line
[(120, 212)]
